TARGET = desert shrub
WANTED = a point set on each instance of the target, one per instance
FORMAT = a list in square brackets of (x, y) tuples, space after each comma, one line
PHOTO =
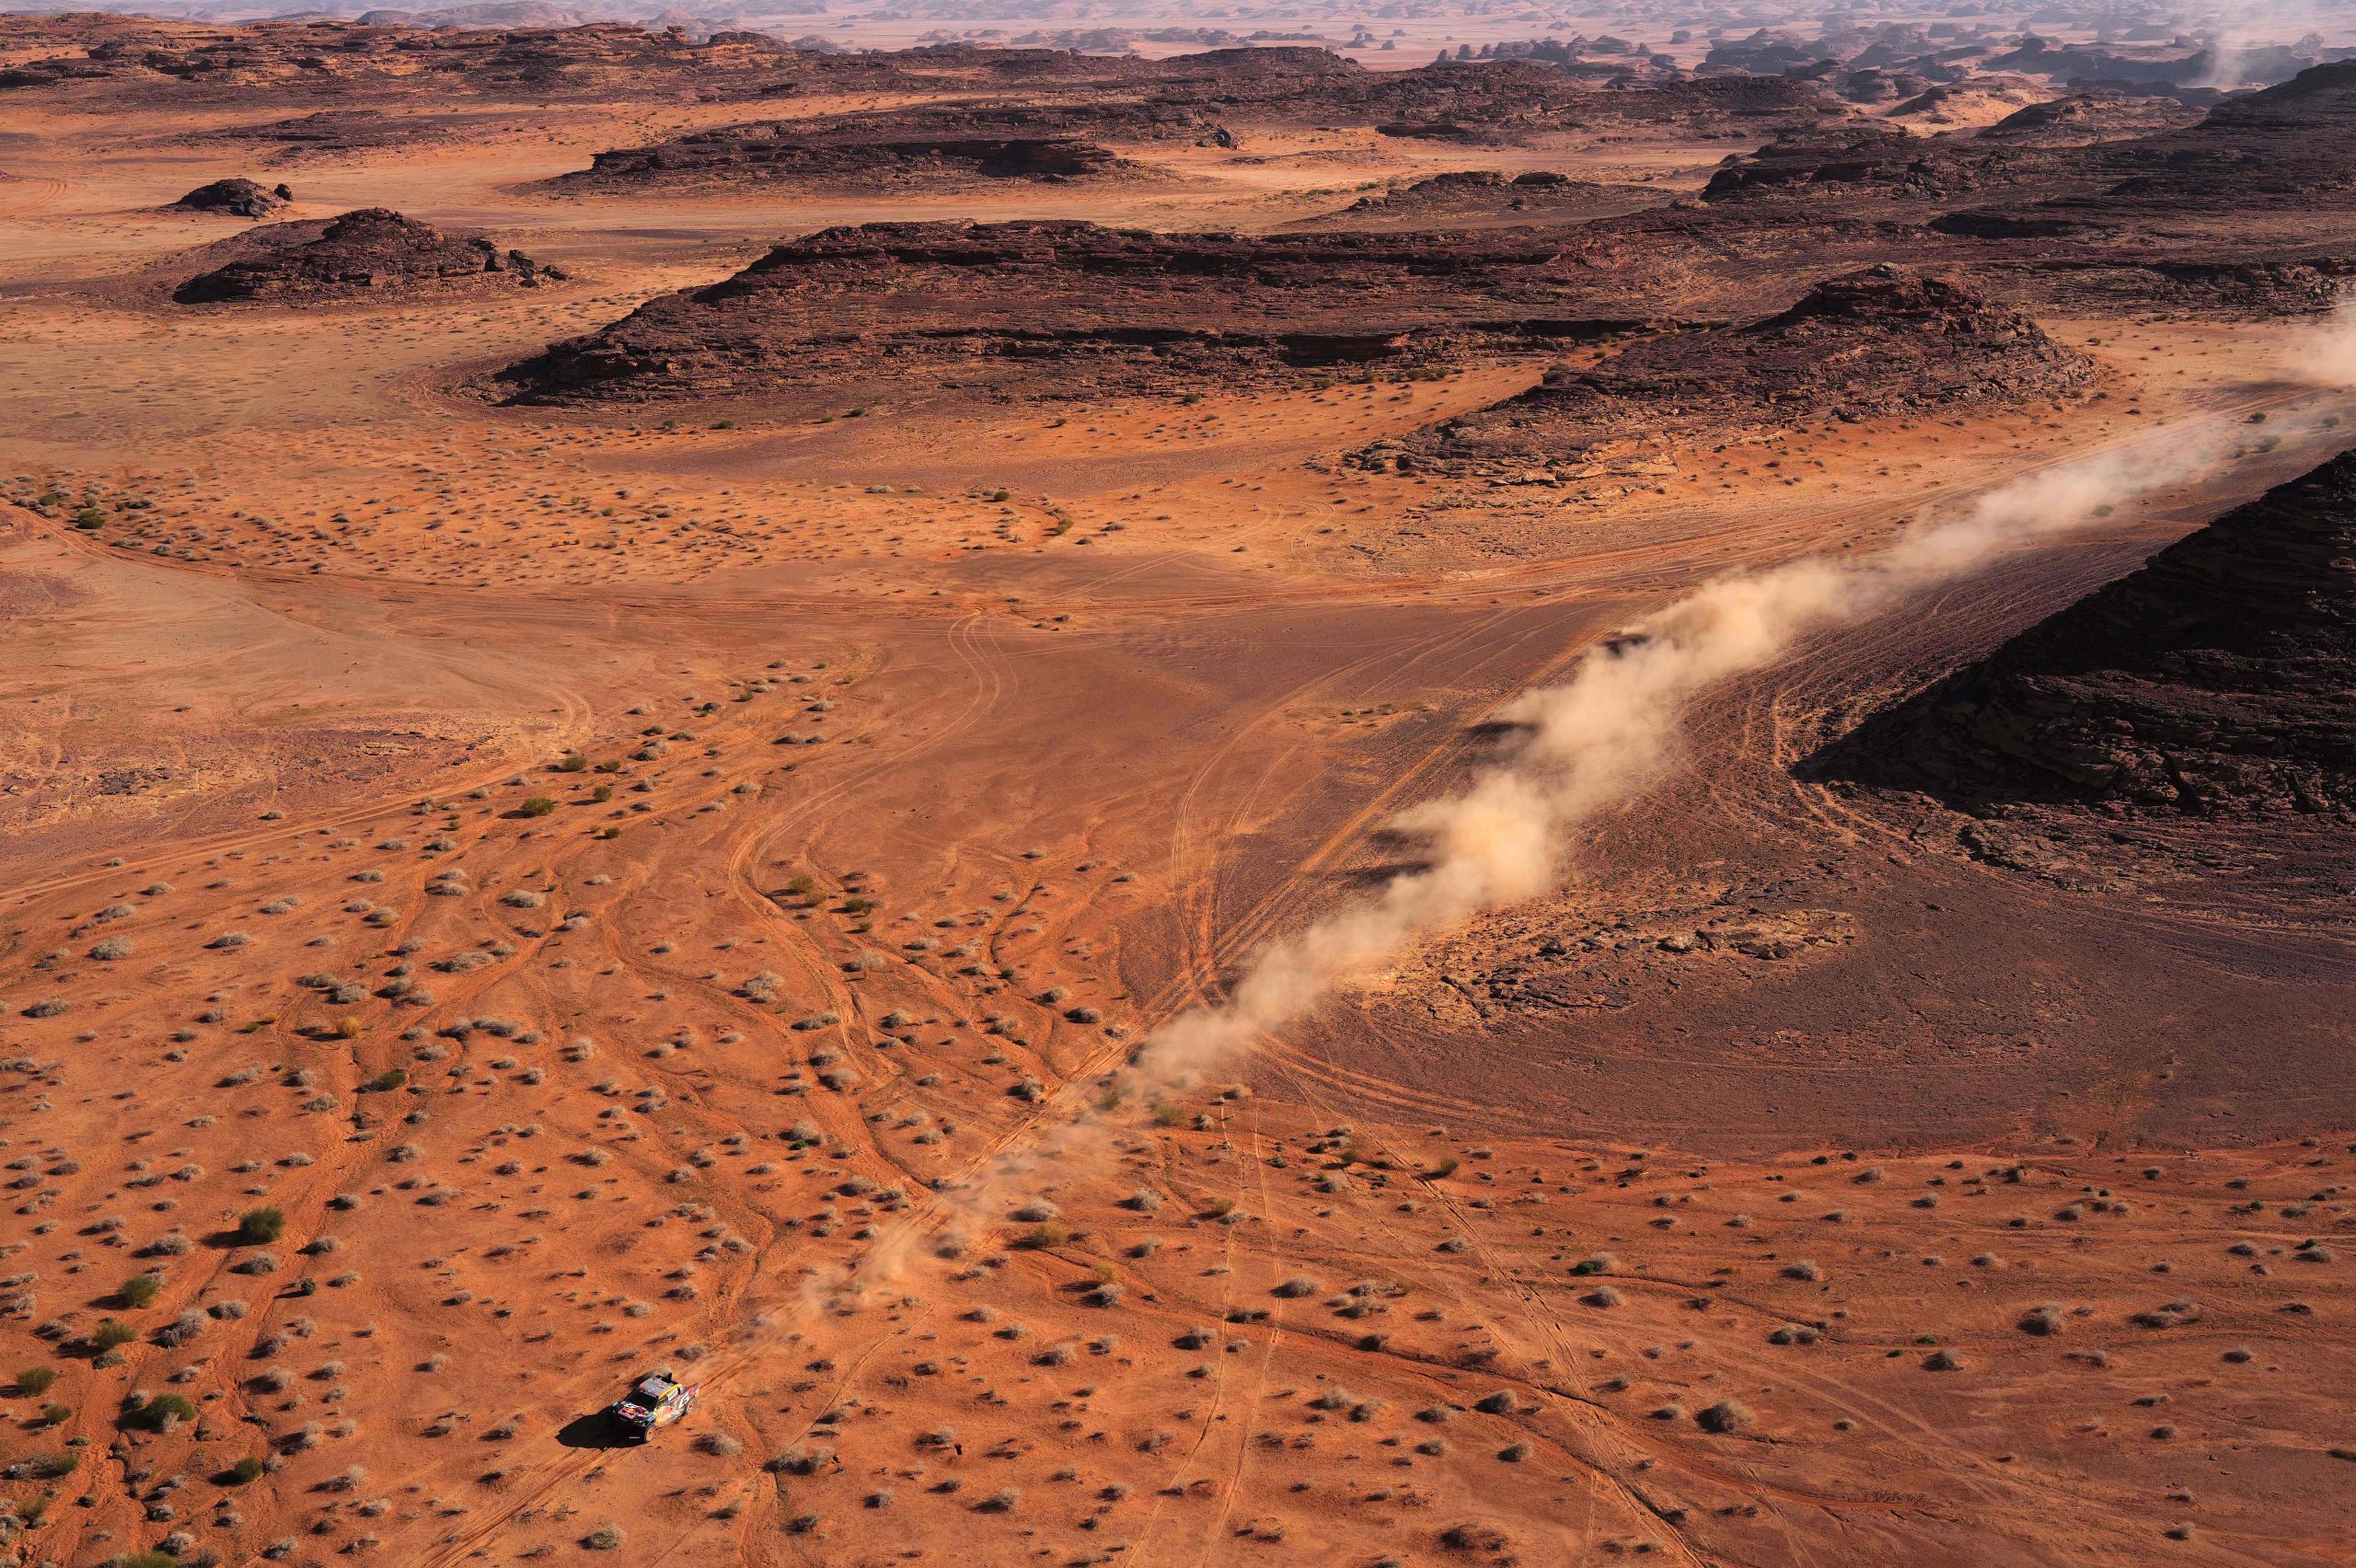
[(535, 806), (111, 1334), (139, 1290), (35, 1381), (163, 1412), (1726, 1415), (802, 1462), (1474, 1538), (245, 1473), (257, 1226), (182, 1328)]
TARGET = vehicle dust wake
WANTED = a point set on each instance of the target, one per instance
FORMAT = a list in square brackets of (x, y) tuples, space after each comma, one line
[(1600, 738)]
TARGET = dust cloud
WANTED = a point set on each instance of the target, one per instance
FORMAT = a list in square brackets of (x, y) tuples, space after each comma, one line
[(1600, 738)]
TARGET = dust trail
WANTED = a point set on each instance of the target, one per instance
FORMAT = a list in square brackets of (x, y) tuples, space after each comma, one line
[(2234, 30), (1602, 736), (2327, 357)]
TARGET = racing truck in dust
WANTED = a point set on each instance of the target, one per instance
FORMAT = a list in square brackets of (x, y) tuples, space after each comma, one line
[(658, 1400)]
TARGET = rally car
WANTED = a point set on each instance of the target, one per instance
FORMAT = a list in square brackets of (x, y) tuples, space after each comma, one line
[(658, 1400)]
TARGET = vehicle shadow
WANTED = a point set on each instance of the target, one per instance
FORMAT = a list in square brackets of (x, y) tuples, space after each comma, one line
[(592, 1431)]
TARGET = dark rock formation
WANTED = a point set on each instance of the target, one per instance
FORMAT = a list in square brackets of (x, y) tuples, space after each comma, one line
[(2090, 156), (892, 147), (1882, 341), (333, 59), (2219, 680), (1470, 197), (239, 198), (2296, 142), (2262, 163), (1070, 308), (334, 62), (1190, 98), (361, 254), (2085, 118), (2075, 63), (2288, 287)]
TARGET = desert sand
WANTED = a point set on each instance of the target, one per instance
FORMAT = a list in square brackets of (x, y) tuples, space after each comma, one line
[(633, 772)]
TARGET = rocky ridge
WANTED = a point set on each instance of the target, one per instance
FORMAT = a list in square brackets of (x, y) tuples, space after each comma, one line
[(1063, 309), (363, 254), (1881, 342), (239, 198), (2218, 680)]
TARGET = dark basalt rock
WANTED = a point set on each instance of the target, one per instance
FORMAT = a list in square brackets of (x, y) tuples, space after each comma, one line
[(1881, 342), (1884, 164), (239, 198), (1486, 198), (1190, 99), (2289, 151), (361, 254), (1041, 143), (948, 304), (2085, 118), (336, 62), (2218, 680), (2084, 165)]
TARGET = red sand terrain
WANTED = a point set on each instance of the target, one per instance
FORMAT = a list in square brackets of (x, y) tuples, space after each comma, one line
[(595, 783)]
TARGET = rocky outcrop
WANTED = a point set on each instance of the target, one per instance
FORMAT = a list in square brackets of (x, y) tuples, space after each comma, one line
[(332, 59), (238, 198), (2255, 166), (333, 62), (1879, 164), (1882, 341), (2082, 119), (2193, 288), (1067, 308), (935, 307), (886, 148), (2218, 680), (1468, 197), (363, 254)]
